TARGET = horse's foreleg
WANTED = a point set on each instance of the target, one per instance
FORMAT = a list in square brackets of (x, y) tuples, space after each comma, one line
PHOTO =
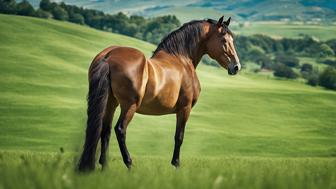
[(120, 130), (106, 130), (181, 120)]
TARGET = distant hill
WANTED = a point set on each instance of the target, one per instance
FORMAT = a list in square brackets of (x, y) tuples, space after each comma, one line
[(252, 10)]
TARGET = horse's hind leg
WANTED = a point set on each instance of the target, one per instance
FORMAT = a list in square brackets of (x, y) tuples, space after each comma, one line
[(126, 116), (112, 104)]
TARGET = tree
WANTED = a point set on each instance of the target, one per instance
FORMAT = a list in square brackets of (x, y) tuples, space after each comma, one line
[(76, 18), (46, 5), (42, 14), (59, 13), (327, 78), (255, 54), (24, 8), (332, 44), (325, 50), (8, 6), (287, 59), (266, 63), (158, 27)]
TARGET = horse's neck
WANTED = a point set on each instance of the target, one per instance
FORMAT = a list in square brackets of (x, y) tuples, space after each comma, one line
[(198, 53), (197, 57), (194, 61), (195, 54)]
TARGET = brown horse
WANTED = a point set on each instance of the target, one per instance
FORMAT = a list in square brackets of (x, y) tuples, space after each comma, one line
[(164, 84)]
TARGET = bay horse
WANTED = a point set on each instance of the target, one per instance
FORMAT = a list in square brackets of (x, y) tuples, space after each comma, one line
[(166, 83)]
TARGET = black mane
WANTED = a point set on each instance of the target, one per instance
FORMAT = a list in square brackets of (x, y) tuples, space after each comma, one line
[(184, 40)]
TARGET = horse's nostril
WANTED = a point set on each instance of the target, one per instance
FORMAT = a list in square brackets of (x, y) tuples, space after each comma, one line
[(236, 68)]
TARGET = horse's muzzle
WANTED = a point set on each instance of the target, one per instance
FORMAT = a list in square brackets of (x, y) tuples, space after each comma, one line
[(233, 69)]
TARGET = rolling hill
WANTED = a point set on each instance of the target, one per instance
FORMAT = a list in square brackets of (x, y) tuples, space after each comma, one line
[(43, 88), (247, 131)]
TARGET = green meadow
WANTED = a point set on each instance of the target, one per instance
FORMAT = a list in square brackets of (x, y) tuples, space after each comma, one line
[(279, 29), (247, 131)]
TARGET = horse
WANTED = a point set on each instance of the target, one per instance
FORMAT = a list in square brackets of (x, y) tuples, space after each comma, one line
[(166, 83)]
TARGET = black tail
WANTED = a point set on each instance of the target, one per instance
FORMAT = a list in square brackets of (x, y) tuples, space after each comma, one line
[(99, 87)]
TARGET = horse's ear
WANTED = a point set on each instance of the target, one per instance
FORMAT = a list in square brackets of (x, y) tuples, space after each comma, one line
[(227, 23), (220, 21)]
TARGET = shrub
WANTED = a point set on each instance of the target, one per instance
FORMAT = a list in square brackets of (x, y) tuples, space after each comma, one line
[(284, 71), (306, 68), (312, 77), (327, 78), (313, 80), (287, 59), (329, 62)]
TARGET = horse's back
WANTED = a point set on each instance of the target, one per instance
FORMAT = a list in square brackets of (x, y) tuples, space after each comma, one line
[(128, 54)]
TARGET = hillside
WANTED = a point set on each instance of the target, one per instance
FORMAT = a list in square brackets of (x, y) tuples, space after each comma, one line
[(43, 79), (43, 88)]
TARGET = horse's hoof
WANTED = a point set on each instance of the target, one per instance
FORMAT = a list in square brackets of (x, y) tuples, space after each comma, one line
[(104, 167), (175, 163), (85, 169), (102, 160), (128, 164)]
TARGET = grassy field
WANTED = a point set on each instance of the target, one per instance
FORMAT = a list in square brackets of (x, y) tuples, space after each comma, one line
[(284, 29), (38, 170), (247, 131)]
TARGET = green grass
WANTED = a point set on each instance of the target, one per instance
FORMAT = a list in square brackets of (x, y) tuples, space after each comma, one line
[(247, 131), (313, 62), (152, 172), (283, 29)]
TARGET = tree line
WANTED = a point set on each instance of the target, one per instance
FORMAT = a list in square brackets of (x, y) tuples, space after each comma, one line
[(148, 29), (280, 56)]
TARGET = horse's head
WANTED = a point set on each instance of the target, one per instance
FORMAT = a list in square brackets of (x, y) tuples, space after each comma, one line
[(220, 46)]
